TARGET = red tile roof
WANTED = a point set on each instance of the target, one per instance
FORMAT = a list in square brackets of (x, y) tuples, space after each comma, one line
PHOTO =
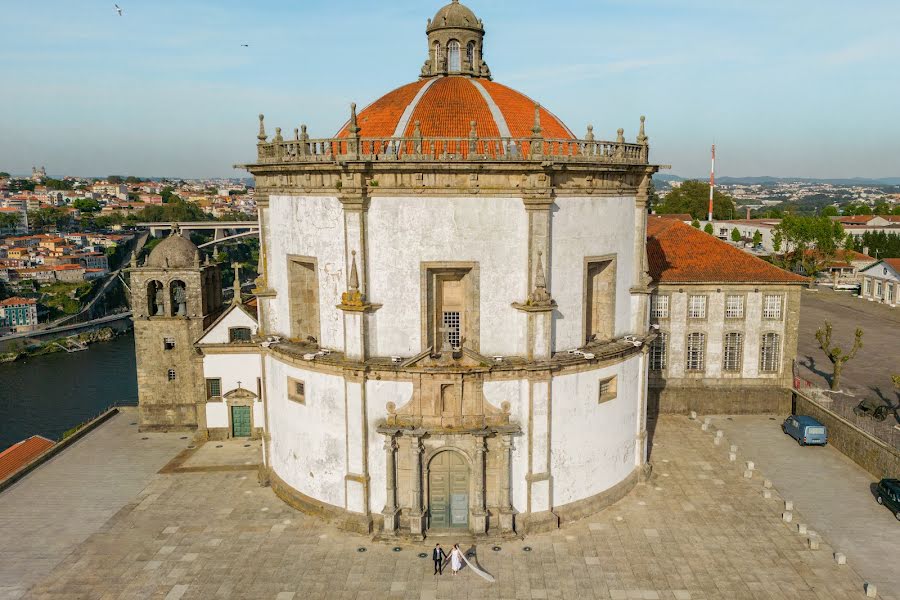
[(19, 455), (894, 263), (679, 253), (16, 300)]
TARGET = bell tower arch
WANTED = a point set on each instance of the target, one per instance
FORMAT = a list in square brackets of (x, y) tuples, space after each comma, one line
[(174, 298), (455, 43)]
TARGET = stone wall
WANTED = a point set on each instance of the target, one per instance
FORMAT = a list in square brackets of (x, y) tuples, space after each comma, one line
[(719, 400), (871, 454)]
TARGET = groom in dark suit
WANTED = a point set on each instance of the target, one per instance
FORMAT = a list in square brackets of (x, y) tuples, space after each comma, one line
[(438, 556)]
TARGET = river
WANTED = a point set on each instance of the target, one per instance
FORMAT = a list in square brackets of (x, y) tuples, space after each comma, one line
[(46, 395)]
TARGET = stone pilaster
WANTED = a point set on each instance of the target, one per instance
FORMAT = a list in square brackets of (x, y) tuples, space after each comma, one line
[(353, 302), (539, 305), (416, 512), (357, 471), (640, 291), (507, 512), (538, 477), (391, 511), (479, 512)]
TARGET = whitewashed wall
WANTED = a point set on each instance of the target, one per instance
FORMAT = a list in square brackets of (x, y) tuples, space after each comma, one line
[(307, 226), (592, 444), (378, 394), (236, 317), (309, 445), (404, 232), (516, 393), (583, 227), (232, 368), (216, 415)]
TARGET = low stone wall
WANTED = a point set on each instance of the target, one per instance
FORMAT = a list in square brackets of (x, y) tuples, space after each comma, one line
[(719, 400), (870, 453)]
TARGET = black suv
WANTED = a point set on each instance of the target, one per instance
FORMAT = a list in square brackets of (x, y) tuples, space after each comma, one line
[(888, 494)]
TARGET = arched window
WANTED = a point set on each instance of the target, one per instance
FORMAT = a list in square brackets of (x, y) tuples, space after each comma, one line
[(770, 353), (436, 58), (178, 298), (155, 299), (453, 57), (470, 55), (239, 334), (696, 352)]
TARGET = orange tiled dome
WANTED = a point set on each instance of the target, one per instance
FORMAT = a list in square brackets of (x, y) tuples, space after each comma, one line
[(446, 106)]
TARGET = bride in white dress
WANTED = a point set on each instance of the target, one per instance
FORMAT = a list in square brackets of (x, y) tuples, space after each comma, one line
[(456, 559)]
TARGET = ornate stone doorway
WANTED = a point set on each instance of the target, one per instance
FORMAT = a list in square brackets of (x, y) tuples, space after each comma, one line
[(448, 491)]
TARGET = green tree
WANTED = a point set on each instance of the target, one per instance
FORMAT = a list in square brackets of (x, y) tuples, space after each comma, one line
[(830, 211), (114, 179), (46, 218), (86, 205), (693, 197), (10, 220), (810, 242), (57, 184), (881, 208), (695, 224), (708, 228), (777, 239), (4, 175), (757, 237), (168, 195), (735, 235), (835, 354)]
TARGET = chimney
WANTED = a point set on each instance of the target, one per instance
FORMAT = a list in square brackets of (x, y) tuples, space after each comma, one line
[(748, 213)]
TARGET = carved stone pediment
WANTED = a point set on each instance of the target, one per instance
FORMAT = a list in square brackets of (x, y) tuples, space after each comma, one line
[(460, 360), (239, 394)]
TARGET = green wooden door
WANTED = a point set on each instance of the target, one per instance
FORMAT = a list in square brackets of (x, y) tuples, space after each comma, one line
[(448, 501), (240, 421)]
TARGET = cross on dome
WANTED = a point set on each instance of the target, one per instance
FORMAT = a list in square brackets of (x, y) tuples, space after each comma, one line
[(455, 43)]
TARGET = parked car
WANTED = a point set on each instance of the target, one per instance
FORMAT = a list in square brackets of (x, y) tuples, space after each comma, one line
[(806, 430), (871, 408), (889, 495)]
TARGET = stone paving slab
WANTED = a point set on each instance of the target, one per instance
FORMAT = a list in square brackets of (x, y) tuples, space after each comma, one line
[(56, 507), (697, 531)]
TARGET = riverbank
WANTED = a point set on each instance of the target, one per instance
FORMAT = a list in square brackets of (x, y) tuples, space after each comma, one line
[(68, 344)]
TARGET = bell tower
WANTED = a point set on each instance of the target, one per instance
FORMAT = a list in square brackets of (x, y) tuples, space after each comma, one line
[(455, 43), (174, 298)]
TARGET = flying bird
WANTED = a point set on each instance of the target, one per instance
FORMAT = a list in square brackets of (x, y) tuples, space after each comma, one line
[(245, 45), (118, 9)]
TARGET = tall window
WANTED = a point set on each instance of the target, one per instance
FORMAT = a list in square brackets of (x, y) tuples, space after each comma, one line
[(659, 306), (890, 293), (696, 352), (304, 299), (658, 351), (772, 307), (734, 350), (697, 307), (770, 353), (867, 286), (734, 307), (178, 297), (213, 388), (879, 286), (436, 59), (454, 61), (452, 299), (600, 292), (470, 54)]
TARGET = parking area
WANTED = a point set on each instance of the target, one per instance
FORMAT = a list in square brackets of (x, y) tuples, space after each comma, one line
[(829, 490)]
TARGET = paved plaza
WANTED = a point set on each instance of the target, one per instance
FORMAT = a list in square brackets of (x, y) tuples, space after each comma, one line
[(833, 493), (697, 530)]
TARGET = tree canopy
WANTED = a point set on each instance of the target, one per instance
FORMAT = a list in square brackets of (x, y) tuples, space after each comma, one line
[(809, 242), (692, 197)]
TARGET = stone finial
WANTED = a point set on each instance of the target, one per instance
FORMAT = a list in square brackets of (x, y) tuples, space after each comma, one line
[(296, 134), (303, 135), (536, 130), (642, 137), (278, 137), (473, 131), (540, 296), (620, 139), (589, 136), (417, 130), (262, 129), (353, 298), (237, 282), (354, 124), (354, 274)]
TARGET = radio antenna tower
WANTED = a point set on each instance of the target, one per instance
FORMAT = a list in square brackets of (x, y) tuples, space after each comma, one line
[(712, 183)]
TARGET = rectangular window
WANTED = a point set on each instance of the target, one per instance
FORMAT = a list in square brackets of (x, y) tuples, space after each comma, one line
[(169, 343), (867, 287), (658, 352), (734, 307), (213, 388), (734, 349), (890, 293), (772, 307), (171, 374), (659, 306), (451, 328), (607, 390), (239, 334), (296, 390), (696, 352), (600, 299), (878, 288), (697, 307), (770, 353)]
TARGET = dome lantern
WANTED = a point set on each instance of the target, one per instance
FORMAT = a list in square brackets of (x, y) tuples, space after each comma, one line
[(455, 43)]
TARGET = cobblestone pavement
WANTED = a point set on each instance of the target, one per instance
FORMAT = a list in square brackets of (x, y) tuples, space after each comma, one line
[(697, 530), (832, 492), (55, 508)]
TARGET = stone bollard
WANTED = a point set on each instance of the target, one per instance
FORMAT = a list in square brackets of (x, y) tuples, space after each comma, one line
[(750, 465), (748, 474), (693, 415), (767, 484), (720, 433), (707, 420), (871, 590), (787, 517), (767, 494), (801, 528), (788, 505), (732, 457), (839, 558), (717, 441), (733, 448), (813, 543), (705, 427)]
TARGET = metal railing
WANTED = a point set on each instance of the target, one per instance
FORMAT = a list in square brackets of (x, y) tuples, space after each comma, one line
[(304, 150)]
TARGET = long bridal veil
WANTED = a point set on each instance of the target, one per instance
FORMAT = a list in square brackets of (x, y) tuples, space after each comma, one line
[(486, 576)]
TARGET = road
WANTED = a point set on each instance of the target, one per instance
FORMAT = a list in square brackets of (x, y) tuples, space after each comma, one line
[(831, 494), (869, 373)]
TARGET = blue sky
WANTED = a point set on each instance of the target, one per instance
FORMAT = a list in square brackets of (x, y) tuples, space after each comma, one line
[(785, 88)]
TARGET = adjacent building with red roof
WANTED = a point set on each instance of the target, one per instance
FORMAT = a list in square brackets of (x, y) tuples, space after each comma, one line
[(726, 321), (881, 282), (18, 455), (18, 314)]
